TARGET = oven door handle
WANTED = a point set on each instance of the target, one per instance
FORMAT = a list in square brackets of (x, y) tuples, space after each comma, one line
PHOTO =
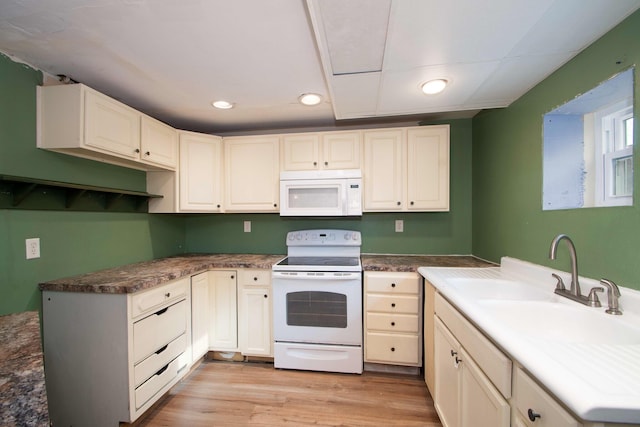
[(314, 276)]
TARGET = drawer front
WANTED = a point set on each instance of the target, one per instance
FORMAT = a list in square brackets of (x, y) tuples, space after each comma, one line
[(495, 364), (147, 301), (406, 283), (530, 396), (393, 303), (393, 322), (257, 277), (160, 379), (149, 366), (399, 349), (158, 329)]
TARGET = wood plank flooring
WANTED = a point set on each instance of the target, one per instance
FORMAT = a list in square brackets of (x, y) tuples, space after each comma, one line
[(255, 394)]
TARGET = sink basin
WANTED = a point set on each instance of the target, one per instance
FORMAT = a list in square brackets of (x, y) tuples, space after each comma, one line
[(561, 322), (500, 289)]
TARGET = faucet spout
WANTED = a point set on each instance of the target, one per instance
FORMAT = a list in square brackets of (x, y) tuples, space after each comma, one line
[(574, 288)]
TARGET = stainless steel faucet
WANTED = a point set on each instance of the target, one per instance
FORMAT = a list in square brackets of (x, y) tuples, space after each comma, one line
[(573, 292), (613, 294)]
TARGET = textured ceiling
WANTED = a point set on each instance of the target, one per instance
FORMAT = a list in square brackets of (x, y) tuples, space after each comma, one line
[(172, 58)]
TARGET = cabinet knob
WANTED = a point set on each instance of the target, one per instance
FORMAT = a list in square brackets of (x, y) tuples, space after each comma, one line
[(458, 360), (393, 323), (412, 203), (453, 353), (275, 205), (255, 279), (168, 295), (266, 296), (147, 153), (217, 205), (137, 150), (326, 163), (393, 285), (233, 277), (393, 304), (532, 415), (393, 349), (398, 203), (315, 163)]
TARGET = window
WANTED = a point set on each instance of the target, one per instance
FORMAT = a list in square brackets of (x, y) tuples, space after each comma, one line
[(615, 148)]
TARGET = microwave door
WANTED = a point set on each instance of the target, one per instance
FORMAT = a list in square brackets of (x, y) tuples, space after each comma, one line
[(312, 199)]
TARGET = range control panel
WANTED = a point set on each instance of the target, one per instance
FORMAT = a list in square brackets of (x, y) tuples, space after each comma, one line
[(324, 238)]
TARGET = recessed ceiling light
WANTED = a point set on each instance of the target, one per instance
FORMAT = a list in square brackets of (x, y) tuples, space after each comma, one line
[(310, 99), (223, 105), (434, 86)]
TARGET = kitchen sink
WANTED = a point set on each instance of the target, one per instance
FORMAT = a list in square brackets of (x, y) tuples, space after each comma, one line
[(500, 289), (561, 322)]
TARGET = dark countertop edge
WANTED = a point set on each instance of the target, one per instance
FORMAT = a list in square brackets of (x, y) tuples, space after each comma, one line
[(136, 277)]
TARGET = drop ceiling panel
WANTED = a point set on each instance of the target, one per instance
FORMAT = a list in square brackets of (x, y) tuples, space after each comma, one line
[(358, 95)]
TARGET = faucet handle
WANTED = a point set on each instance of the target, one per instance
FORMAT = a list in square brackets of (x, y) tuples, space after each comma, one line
[(593, 296), (560, 284)]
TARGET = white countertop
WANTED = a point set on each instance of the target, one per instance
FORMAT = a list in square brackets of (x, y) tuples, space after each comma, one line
[(597, 381)]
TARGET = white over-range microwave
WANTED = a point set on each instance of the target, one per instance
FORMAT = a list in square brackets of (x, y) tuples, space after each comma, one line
[(321, 193)]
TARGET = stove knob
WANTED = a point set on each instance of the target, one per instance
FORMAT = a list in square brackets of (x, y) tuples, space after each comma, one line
[(347, 236), (292, 236), (355, 236), (298, 236)]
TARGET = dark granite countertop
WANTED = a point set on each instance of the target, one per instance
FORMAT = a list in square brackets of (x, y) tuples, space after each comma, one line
[(410, 263), (23, 397), (144, 275)]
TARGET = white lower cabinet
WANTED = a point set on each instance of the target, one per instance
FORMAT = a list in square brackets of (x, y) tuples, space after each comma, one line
[(223, 312), (254, 313), (199, 315), (392, 318), (109, 357), (465, 393)]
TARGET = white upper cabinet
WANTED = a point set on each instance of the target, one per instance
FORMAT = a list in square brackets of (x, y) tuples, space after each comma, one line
[(158, 143), (77, 120), (200, 173), (252, 173), (325, 150), (407, 169)]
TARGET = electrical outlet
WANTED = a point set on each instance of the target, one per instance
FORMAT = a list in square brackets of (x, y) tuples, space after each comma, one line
[(33, 248), (247, 226), (399, 226)]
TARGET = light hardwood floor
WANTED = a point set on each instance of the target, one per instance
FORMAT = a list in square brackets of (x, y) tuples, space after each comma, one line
[(256, 394)]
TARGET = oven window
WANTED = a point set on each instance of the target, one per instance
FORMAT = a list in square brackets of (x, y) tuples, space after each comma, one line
[(317, 309), (322, 197)]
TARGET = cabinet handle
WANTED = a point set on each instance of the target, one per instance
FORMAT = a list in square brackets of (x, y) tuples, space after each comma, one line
[(275, 205), (162, 349), (393, 285), (458, 360), (393, 304), (532, 415), (266, 296), (255, 279), (393, 323), (233, 277), (161, 312), (398, 203), (326, 163), (315, 163), (147, 153), (453, 353), (218, 206), (393, 349), (412, 203), (167, 295), (137, 150), (161, 370)]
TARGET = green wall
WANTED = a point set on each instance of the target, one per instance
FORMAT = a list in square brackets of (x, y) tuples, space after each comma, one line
[(424, 233), (507, 174), (71, 242)]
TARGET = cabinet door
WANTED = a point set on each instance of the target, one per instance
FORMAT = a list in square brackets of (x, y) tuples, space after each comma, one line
[(199, 315), (341, 150), (200, 173), (383, 170), (480, 403), (255, 320), (447, 393), (158, 143), (300, 152), (110, 126), (223, 325), (428, 168), (429, 312), (252, 174)]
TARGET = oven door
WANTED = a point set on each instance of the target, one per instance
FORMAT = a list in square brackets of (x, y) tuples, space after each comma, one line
[(317, 307)]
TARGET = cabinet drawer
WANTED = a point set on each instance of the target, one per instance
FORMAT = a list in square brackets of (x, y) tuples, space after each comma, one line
[(406, 283), (393, 303), (256, 277), (394, 348), (149, 366), (158, 329), (160, 379), (495, 364), (393, 322), (152, 299), (530, 396)]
